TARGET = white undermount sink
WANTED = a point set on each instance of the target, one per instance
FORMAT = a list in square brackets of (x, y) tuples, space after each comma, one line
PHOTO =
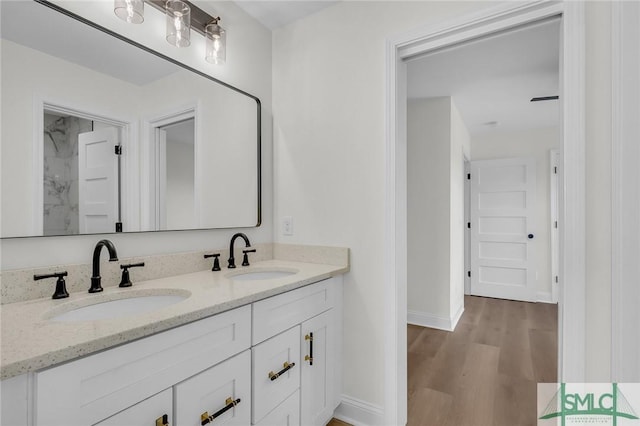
[(261, 275), (105, 308)]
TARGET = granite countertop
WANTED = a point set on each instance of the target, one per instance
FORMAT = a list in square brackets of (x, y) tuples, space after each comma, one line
[(30, 341)]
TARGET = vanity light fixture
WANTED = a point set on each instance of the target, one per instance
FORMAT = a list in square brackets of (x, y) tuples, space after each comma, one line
[(178, 23), (131, 11), (181, 17), (216, 43)]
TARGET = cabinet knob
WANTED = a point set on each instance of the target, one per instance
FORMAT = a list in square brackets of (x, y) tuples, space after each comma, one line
[(162, 421)]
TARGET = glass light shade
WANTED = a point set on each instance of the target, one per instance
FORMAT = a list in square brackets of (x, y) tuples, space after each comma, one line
[(178, 23), (131, 11), (216, 47)]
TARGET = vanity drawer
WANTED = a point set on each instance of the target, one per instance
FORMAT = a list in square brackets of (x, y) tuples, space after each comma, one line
[(211, 390), (287, 413), (93, 388), (270, 357), (278, 313), (145, 412)]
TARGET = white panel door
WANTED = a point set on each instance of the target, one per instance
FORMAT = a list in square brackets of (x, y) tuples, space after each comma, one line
[(503, 194), (98, 180)]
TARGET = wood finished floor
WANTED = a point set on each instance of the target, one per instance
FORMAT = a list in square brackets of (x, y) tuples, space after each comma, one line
[(485, 373)]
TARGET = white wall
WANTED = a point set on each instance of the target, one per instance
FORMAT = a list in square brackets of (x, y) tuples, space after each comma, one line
[(534, 143), (437, 140), (428, 207), (248, 68), (328, 83)]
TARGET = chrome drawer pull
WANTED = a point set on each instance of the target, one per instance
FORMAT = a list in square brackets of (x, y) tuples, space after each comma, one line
[(286, 368), (229, 404)]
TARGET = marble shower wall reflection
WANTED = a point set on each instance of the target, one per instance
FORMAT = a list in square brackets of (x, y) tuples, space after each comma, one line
[(61, 172)]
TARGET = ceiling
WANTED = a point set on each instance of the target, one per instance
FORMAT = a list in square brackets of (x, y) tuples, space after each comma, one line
[(492, 80), (275, 14)]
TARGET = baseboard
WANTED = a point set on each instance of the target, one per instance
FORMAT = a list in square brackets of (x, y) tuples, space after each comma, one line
[(358, 412), (456, 317), (433, 321), (544, 297)]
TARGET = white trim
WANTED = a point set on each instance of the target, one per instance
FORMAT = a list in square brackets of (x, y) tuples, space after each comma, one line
[(507, 15), (358, 412), (545, 297), (425, 319), (129, 191), (625, 197), (395, 242), (554, 232), (572, 306)]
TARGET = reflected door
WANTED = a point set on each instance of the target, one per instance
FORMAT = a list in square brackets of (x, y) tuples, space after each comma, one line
[(98, 181), (503, 194)]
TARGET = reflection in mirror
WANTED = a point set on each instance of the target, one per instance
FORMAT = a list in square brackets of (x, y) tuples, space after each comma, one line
[(190, 145), (80, 175), (175, 186)]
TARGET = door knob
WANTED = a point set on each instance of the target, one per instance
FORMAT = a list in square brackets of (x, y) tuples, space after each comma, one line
[(530, 236)]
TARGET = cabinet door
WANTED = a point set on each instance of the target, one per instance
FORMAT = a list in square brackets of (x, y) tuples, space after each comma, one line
[(144, 413), (285, 414), (222, 392), (273, 382), (318, 357)]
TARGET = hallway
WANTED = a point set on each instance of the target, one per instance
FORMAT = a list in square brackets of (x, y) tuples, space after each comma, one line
[(486, 371)]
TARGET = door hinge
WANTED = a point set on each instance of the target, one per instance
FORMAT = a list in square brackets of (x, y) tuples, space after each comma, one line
[(469, 225), (557, 281), (118, 149), (555, 170), (555, 224), (469, 176), (469, 274), (118, 226)]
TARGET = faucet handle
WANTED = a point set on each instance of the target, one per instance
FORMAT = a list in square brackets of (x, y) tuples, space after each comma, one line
[(216, 261), (61, 286), (245, 258), (126, 280)]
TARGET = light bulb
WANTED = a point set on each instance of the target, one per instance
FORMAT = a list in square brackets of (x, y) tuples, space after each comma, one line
[(215, 43), (178, 23), (131, 11)]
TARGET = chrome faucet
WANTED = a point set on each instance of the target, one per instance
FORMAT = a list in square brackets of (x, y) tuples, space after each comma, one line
[(96, 286), (232, 259)]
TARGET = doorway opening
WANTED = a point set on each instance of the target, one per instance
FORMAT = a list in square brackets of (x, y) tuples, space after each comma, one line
[(571, 336), (472, 100)]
